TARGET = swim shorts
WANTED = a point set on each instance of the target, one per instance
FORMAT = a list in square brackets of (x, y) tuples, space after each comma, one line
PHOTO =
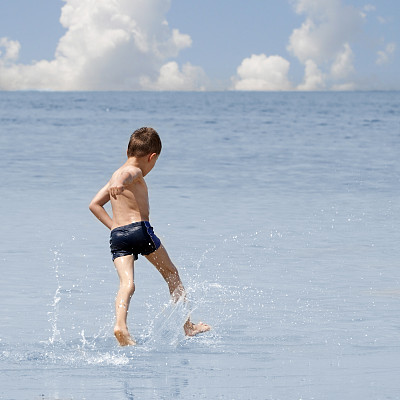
[(133, 239)]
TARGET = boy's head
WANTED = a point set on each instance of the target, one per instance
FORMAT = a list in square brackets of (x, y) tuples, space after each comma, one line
[(144, 141)]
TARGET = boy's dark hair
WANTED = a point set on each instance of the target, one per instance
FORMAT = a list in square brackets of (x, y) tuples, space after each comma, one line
[(144, 141)]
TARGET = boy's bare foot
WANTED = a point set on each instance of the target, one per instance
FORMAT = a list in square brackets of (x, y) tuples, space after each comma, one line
[(192, 329), (123, 337)]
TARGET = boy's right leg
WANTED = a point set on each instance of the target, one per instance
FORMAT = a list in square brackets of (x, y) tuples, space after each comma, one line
[(160, 259), (124, 267)]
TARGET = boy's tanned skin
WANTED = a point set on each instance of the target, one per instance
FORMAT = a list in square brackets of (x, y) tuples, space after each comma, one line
[(127, 191)]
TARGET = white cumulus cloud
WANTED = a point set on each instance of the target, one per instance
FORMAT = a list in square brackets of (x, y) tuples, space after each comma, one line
[(314, 79), (108, 45), (10, 50), (385, 55), (260, 72), (321, 43), (172, 78), (342, 66)]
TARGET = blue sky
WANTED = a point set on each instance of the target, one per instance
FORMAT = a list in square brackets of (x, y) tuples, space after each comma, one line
[(199, 45)]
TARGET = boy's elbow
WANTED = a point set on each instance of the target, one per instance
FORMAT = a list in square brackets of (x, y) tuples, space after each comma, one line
[(92, 206)]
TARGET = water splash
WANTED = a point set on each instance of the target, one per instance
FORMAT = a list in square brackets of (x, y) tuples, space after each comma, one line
[(167, 326), (72, 341), (54, 313)]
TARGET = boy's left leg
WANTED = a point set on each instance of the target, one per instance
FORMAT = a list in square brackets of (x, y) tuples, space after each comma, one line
[(160, 259)]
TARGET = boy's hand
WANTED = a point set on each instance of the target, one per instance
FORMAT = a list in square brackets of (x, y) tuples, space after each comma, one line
[(120, 180), (115, 190)]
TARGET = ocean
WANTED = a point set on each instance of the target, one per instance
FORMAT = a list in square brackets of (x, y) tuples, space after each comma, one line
[(280, 210)]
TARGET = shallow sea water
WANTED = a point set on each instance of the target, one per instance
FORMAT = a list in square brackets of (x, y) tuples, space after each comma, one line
[(281, 211)]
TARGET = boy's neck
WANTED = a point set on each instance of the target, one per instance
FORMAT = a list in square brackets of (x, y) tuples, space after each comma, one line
[(137, 162), (142, 163)]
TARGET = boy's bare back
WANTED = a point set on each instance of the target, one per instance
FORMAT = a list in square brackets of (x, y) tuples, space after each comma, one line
[(128, 196)]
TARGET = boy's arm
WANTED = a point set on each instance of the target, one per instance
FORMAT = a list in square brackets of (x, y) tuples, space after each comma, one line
[(118, 183), (96, 206)]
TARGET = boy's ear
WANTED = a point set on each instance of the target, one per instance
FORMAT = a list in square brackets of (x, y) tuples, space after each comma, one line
[(152, 155)]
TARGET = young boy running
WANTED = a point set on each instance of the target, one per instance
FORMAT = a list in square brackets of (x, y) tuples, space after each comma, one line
[(131, 232)]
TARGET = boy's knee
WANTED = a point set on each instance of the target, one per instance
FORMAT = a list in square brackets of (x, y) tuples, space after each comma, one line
[(130, 288)]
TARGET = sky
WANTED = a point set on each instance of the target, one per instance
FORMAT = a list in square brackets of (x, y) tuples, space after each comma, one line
[(251, 45)]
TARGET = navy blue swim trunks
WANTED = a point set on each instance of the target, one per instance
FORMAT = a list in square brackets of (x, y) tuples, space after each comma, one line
[(133, 239)]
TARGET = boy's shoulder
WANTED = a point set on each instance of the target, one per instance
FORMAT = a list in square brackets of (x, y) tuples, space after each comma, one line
[(127, 172), (130, 169)]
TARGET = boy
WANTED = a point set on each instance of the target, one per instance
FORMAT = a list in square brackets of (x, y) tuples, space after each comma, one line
[(131, 232)]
